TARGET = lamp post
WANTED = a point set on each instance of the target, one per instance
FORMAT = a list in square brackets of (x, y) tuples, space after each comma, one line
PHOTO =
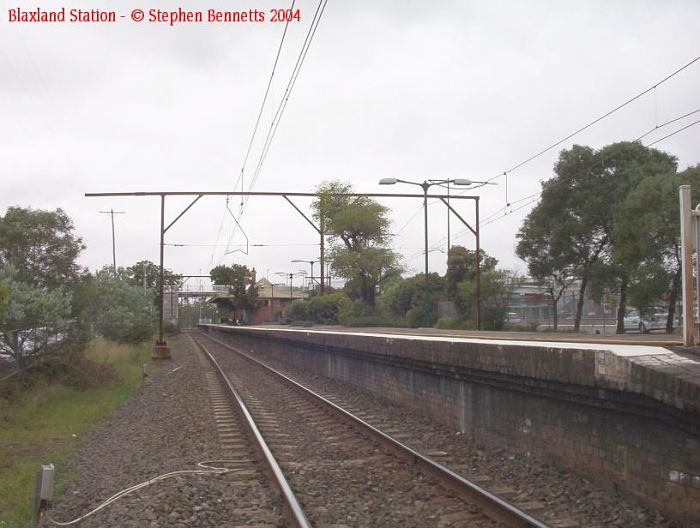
[(311, 263), (427, 323), (291, 279)]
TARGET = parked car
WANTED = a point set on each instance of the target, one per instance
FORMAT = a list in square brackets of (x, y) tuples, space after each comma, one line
[(654, 320)]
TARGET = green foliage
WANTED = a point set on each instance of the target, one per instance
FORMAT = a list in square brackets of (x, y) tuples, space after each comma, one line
[(189, 314), (572, 233), (326, 309), (436, 293), (461, 266), (397, 298), (4, 299), (497, 287), (240, 282), (647, 239), (353, 310), (296, 311), (41, 246), (33, 317), (358, 228), (122, 312), (147, 274), (48, 418)]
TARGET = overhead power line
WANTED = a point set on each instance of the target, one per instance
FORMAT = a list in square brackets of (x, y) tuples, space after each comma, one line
[(673, 133), (506, 210), (264, 101), (657, 127), (597, 120), (581, 129), (320, 9)]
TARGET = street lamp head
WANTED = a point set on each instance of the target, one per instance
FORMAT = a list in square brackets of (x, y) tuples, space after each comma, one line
[(388, 181), (462, 181)]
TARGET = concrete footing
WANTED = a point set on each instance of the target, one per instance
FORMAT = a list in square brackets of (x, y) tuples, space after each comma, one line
[(161, 350)]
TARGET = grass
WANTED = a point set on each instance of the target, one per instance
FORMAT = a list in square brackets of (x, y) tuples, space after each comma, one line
[(45, 424)]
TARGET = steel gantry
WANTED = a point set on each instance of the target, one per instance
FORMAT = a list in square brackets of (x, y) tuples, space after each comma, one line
[(161, 349)]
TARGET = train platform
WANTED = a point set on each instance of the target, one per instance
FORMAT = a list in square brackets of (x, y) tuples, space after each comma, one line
[(653, 364), (625, 408)]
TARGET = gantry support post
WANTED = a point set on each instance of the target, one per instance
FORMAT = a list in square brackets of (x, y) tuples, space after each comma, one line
[(319, 230), (687, 264), (161, 350), (475, 231)]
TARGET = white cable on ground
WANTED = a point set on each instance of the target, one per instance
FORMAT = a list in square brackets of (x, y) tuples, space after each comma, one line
[(210, 469)]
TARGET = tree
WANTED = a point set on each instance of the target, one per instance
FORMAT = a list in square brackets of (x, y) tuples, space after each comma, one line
[(34, 318), (4, 299), (146, 274), (38, 272), (562, 232), (121, 311), (461, 265), (553, 268), (497, 287), (397, 298), (326, 309), (571, 232), (436, 293), (648, 238), (41, 247), (358, 229), (241, 285), (622, 168)]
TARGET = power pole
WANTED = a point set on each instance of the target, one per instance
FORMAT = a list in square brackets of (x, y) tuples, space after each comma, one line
[(111, 213)]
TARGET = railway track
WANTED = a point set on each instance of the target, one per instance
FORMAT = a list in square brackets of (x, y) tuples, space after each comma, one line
[(332, 468)]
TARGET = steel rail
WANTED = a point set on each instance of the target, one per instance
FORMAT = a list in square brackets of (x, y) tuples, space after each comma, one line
[(291, 509), (491, 504)]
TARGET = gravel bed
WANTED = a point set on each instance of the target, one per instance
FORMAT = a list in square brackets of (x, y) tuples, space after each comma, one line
[(565, 495), (340, 477), (167, 426)]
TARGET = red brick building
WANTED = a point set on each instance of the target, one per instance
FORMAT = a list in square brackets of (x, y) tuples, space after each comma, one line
[(272, 298)]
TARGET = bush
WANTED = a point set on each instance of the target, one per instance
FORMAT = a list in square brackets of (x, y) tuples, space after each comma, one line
[(353, 310), (414, 317), (376, 320), (122, 312), (296, 311), (326, 309)]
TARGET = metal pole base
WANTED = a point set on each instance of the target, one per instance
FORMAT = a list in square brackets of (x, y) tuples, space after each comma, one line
[(161, 350)]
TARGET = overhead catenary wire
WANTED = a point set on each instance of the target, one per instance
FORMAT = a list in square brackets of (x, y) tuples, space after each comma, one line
[(657, 127), (274, 125), (255, 130), (320, 9), (596, 120), (262, 104), (673, 133), (497, 214)]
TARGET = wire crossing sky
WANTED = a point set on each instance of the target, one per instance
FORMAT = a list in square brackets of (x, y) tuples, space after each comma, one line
[(401, 89)]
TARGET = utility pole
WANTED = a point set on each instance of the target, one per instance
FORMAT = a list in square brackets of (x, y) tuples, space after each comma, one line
[(111, 213)]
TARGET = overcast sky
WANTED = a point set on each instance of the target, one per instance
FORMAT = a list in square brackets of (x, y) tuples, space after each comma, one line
[(408, 89)]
